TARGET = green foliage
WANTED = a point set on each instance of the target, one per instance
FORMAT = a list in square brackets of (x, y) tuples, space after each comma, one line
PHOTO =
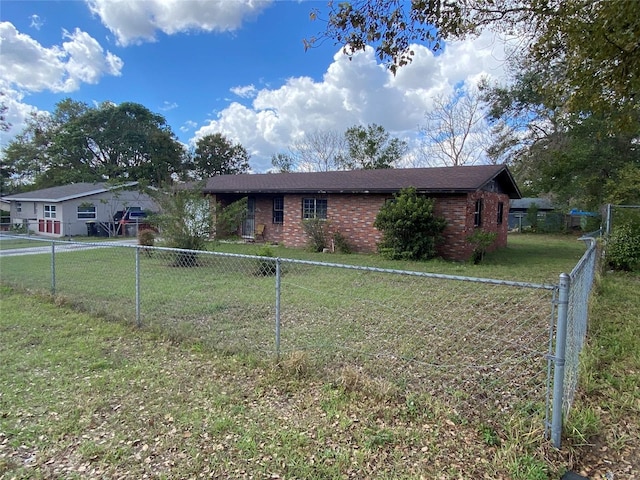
[(532, 216), (595, 40), (316, 231), (341, 243), (186, 219), (481, 240), (624, 188), (266, 268), (623, 248), (372, 148), (410, 230), (230, 217), (216, 155), (283, 162), (82, 143), (146, 237)]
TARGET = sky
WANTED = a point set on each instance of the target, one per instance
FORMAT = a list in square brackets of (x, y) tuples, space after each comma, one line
[(237, 67)]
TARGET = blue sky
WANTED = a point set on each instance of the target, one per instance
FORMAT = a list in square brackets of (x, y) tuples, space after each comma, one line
[(230, 66)]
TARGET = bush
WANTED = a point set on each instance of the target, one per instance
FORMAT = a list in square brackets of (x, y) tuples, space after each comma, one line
[(316, 230), (266, 268), (146, 237), (481, 240), (341, 243), (623, 248), (410, 230)]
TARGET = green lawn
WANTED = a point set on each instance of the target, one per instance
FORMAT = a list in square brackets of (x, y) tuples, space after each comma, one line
[(81, 397)]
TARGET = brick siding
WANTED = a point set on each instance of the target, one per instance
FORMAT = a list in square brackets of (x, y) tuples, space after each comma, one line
[(353, 216)]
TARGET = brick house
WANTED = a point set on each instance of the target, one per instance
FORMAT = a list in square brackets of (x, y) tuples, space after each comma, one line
[(468, 197)]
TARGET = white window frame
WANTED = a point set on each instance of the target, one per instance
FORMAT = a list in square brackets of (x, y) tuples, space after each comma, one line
[(50, 211)]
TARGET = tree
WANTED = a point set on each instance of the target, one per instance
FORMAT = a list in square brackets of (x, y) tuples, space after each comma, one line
[(410, 229), (4, 124), (283, 162), (81, 143), (318, 151), (455, 132), (594, 46), (371, 148), (185, 221), (215, 155)]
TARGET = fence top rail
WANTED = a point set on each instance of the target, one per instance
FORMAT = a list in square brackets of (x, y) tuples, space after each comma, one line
[(440, 276), (592, 245)]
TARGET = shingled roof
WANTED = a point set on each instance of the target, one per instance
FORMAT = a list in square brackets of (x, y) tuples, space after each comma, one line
[(65, 192), (426, 180)]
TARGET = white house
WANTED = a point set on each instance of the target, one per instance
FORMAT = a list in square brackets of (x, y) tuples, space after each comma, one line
[(76, 209)]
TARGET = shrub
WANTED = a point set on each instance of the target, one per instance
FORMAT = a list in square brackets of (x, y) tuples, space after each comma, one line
[(623, 248), (316, 230), (532, 217), (410, 230), (341, 243), (265, 267), (481, 240), (146, 237)]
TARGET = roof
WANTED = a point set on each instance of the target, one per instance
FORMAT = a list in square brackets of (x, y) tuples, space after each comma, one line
[(526, 202), (65, 192), (426, 180)]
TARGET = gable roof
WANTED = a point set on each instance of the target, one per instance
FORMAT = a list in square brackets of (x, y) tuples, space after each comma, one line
[(65, 192), (426, 180), (526, 202)]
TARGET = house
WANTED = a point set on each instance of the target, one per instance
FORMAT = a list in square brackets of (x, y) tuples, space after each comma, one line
[(76, 209), (468, 197), (519, 208)]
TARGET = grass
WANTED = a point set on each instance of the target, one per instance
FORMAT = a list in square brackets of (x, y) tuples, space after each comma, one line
[(85, 398), (604, 424), (203, 398)]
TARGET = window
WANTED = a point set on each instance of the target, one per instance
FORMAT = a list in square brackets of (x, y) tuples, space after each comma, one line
[(278, 210), (49, 211), (314, 208), (477, 215), (500, 212), (86, 212), (18, 207)]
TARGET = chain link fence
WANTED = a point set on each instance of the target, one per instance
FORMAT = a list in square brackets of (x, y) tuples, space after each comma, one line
[(481, 347)]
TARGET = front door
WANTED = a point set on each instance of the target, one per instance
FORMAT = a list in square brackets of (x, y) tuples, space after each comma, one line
[(249, 224)]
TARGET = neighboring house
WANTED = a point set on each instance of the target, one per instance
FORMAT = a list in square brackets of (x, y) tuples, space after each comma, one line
[(468, 197), (74, 209), (5, 219), (519, 207)]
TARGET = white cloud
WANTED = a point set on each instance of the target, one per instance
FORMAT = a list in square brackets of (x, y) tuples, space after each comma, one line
[(27, 65), (134, 22), (247, 91), (17, 112), (357, 91), (168, 106), (36, 22), (188, 126)]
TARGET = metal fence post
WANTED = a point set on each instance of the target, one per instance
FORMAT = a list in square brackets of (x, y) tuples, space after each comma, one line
[(559, 359), (278, 278), (138, 321), (53, 268)]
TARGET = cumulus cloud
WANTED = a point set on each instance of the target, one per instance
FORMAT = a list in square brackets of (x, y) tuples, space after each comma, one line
[(356, 91), (135, 22), (28, 65), (17, 112)]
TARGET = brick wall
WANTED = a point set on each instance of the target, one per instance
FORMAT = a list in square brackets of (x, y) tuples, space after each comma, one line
[(353, 216), (459, 211)]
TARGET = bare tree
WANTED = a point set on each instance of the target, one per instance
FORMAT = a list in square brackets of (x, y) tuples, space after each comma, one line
[(319, 151), (456, 131)]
